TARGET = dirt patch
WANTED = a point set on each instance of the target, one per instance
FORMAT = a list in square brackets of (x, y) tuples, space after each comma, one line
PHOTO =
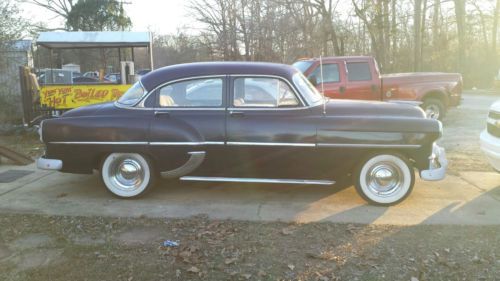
[(31, 241), (140, 236), (4, 251), (27, 143), (38, 259), (237, 250)]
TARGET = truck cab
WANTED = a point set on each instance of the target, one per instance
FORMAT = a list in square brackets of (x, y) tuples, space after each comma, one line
[(358, 77), (344, 77)]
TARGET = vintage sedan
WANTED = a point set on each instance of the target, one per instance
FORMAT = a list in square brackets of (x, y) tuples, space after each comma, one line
[(244, 122)]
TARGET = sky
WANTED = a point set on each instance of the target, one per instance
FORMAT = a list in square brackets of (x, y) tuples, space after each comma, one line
[(158, 16)]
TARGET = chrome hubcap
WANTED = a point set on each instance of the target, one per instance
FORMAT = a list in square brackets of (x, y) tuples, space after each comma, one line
[(432, 111), (127, 174), (384, 179)]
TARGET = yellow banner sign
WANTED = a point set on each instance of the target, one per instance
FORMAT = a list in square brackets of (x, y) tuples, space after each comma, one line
[(71, 96)]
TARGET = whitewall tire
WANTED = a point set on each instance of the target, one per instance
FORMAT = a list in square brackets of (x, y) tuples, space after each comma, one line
[(385, 179), (127, 175)]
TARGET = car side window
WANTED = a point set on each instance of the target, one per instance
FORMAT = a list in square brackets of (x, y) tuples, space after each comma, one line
[(330, 73), (359, 71), (205, 92), (263, 92)]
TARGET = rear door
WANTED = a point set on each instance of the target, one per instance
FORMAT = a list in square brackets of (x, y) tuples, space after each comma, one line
[(189, 117), (363, 82)]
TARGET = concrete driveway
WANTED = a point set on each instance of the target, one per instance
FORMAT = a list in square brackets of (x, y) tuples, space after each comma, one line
[(466, 198)]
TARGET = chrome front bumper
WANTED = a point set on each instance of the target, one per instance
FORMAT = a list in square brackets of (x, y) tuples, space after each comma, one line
[(49, 164), (437, 165)]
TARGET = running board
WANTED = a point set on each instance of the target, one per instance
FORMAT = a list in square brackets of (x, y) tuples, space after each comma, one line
[(258, 180)]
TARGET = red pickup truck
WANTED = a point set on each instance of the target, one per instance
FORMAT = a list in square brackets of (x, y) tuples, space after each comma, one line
[(359, 78)]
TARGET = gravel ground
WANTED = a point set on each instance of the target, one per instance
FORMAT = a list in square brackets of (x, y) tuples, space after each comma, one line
[(36, 247), (462, 127)]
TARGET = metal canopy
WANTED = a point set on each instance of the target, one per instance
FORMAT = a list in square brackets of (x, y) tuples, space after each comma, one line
[(91, 39)]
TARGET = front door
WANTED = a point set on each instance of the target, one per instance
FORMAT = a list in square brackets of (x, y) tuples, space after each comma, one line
[(268, 129), (188, 122)]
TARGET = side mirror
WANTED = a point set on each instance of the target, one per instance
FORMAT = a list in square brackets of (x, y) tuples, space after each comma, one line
[(313, 80)]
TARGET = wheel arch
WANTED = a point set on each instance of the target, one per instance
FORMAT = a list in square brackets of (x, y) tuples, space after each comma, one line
[(436, 94)]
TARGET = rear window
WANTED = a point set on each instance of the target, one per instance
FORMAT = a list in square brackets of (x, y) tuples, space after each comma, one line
[(359, 71)]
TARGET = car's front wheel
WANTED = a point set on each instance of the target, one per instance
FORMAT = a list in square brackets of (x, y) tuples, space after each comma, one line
[(384, 179), (127, 175)]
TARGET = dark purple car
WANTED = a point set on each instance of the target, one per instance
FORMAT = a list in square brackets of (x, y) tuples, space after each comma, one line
[(244, 122)]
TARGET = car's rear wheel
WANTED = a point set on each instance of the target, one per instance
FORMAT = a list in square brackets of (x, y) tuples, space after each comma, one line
[(385, 179), (127, 175), (434, 108)]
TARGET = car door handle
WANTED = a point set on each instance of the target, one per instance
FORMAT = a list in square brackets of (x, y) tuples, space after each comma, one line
[(162, 114), (236, 113), (342, 89)]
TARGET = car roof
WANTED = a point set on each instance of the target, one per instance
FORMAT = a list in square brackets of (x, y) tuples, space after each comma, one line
[(180, 71)]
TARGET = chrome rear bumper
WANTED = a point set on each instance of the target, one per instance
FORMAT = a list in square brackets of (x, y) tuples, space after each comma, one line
[(438, 164), (49, 164)]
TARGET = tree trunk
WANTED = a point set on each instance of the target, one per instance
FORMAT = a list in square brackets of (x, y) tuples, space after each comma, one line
[(422, 33), (417, 18), (460, 15), (494, 34)]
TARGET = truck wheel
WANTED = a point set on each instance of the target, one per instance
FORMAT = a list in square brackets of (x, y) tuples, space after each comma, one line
[(127, 175), (384, 179), (434, 108)]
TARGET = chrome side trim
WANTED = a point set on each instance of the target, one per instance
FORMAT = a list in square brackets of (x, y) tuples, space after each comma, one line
[(102, 142), (367, 145), (267, 108), (188, 143), (271, 144), (258, 180), (235, 143), (187, 108), (194, 161)]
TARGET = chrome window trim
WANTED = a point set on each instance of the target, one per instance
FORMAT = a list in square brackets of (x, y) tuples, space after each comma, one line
[(292, 86), (223, 76), (146, 93), (137, 106)]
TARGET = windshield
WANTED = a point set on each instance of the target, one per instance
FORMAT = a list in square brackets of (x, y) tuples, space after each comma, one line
[(132, 95), (307, 90), (303, 65)]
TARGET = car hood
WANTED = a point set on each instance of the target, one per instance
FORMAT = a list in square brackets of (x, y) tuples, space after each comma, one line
[(372, 108)]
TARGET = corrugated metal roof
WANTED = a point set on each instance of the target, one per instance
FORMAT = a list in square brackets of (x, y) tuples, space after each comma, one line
[(91, 39)]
